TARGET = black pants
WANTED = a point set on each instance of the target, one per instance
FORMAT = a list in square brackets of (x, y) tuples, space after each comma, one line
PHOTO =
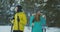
[(17, 31)]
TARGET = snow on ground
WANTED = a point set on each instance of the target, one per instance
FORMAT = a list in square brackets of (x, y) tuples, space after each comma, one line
[(5, 28), (8, 29), (53, 29)]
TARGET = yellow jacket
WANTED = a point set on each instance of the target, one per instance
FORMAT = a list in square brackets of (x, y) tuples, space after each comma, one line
[(22, 22)]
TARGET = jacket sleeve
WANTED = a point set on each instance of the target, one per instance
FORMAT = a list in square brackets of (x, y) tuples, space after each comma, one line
[(43, 21), (24, 19), (31, 19), (13, 19)]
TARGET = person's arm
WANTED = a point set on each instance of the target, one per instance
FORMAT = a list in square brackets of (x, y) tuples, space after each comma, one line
[(43, 21), (31, 20), (12, 20), (24, 19)]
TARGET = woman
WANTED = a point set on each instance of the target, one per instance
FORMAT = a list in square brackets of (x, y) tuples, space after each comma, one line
[(19, 20), (36, 22)]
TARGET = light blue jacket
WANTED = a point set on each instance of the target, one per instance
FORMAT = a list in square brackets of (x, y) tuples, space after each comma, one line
[(37, 25)]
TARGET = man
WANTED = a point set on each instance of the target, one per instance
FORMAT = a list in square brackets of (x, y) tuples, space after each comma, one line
[(19, 20)]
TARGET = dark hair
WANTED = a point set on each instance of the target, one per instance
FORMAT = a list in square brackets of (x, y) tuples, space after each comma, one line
[(37, 17), (19, 8)]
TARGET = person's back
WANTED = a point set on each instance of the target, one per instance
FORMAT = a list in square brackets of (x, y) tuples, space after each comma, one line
[(37, 25), (22, 18)]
